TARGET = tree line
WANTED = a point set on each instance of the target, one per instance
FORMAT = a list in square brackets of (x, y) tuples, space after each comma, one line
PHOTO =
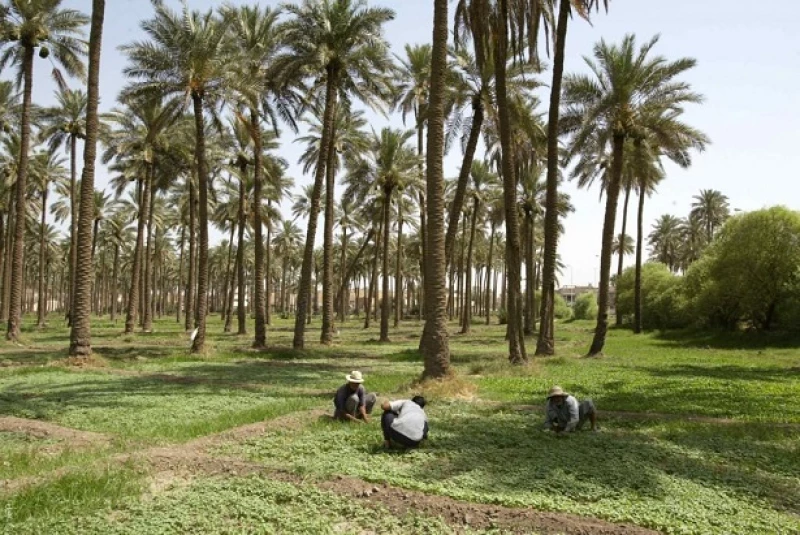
[(193, 142)]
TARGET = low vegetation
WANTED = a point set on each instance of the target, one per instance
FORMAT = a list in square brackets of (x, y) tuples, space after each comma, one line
[(697, 436)]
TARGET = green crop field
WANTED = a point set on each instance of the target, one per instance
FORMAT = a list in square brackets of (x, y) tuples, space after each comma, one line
[(700, 433)]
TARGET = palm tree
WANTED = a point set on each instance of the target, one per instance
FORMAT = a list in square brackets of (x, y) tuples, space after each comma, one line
[(258, 37), (45, 169), (287, 239), (623, 245), (481, 192), (141, 133), (546, 342), (388, 167), (434, 342), (413, 93), (80, 337), (65, 124), (26, 26), (665, 240), (632, 95), (348, 138), (712, 209), (344, 40), (187, 55)]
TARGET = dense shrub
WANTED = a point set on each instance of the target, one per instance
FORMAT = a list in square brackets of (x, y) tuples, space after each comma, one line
[(562, 310), (751, 272), (585, 307), (664, 304)]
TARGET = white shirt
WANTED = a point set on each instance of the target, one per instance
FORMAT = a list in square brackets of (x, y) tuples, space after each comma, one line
[(410, 421)]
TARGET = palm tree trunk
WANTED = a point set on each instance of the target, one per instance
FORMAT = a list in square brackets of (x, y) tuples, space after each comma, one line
[(612, 197), (260, 340), (529, 288), (147, 323), (226, 284), (465, 327), (73, 231), (463, 177), (326, 336), (622, 247), (40, 312), (489, 275), (241, 313), (229, 296), (202, 175), (178, 300), (371, 292), (546, 341), (4, 230), (189, 295), (18, 254), (268, 272), (115, 282), (398, 278), (637, 287), (422, 221), (516, 342), (434, 342), (284, 273), (319, 175), (343, 296), (81, 336), (133, 295), (385, 301)]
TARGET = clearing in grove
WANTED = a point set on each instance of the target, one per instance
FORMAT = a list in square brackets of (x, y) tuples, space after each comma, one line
[(699, 435)]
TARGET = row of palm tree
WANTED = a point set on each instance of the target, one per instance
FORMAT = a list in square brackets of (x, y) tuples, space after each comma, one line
[(249, 72)]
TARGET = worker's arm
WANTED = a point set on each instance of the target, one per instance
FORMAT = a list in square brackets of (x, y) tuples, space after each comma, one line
[(364, 416)]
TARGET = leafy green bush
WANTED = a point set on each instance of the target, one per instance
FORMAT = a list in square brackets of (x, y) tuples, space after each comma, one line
[(750, 272), (585, 307), (502, 316), (664, 304), (562, 310)]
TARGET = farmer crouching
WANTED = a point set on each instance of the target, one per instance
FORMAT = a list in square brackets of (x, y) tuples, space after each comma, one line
[(564, 414), (352, 402)]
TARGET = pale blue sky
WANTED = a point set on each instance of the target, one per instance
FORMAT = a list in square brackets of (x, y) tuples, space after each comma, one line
[(748, 69)]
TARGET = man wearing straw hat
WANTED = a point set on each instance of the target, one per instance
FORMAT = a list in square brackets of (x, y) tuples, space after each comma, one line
[(564, 414), (352, 403)]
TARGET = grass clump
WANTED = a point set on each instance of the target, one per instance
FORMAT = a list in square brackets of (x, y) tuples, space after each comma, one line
[(73, 494)]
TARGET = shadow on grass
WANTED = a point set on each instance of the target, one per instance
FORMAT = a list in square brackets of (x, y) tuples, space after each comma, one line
[(727, 372), (513, 456), (730, 339)]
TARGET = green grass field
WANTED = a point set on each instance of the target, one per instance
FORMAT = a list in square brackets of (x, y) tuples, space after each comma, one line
[(700, 434)]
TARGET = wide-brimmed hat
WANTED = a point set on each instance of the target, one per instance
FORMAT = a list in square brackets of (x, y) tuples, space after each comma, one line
[(556, 391), (355, 377)]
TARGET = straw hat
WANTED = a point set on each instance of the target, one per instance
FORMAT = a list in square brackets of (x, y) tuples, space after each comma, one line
[(556, 391), (355, 377)]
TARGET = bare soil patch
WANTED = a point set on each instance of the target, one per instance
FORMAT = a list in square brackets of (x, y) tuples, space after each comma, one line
[(474, 515), (47, 430)]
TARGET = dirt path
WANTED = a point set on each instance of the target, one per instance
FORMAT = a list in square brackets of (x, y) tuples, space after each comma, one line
[(46, 430)]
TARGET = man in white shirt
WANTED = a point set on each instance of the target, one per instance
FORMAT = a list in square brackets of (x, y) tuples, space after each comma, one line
[(404, 422)]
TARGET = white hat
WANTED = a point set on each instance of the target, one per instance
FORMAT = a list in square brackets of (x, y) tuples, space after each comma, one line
[(556, 391), (355, 377)]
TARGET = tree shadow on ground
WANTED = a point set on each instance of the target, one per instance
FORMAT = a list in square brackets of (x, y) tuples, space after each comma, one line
[(513, 456), (727, 372), (717, 339)]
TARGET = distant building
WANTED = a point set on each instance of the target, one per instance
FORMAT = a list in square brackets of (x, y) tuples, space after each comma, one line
[(570, 293)]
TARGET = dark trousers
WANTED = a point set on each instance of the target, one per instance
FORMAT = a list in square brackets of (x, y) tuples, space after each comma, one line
[(389, 433)]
